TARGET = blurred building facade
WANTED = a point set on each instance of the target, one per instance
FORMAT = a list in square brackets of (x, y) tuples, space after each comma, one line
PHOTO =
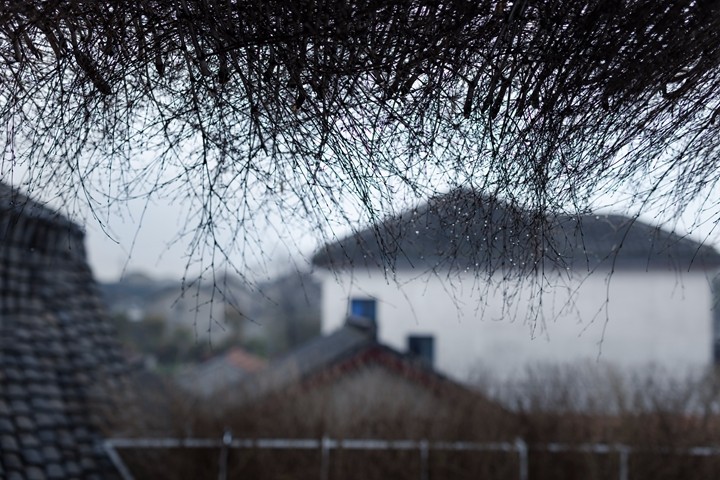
[(459, 280)]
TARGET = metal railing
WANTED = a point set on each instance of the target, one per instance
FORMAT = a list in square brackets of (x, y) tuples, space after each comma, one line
[(423, 447)]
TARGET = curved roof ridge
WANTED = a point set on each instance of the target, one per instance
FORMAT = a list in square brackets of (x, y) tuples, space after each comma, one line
[(12, 200), (466, 229)]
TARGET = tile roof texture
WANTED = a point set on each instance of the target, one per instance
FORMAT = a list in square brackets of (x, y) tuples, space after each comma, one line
[(220, 372), (58, 354), (457, 230), (467, 230), (330, 357), (589, 241)]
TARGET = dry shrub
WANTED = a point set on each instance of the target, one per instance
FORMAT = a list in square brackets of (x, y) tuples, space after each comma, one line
[(576, 405), (657, 414), (383, 408)]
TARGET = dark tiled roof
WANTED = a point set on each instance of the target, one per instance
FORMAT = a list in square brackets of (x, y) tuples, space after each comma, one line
[(220, 372), (332, 356), (462, 229), (312, 357), (16, 206), (56, 348), (587, 241), (470, 231)]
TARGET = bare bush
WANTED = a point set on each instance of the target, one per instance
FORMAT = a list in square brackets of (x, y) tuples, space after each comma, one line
[(655, 417), (238, 107)]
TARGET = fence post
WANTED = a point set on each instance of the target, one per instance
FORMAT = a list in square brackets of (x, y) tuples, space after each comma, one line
[(522, 450), (117, 461), (624, 452), (424, 474), (222, 467), (324, 458)]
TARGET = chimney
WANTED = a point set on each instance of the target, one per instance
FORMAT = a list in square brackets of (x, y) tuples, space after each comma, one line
[(364, 324)]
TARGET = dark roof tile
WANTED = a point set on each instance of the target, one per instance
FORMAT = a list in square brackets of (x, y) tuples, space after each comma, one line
[(32, 456), (40, 404), (11, 460), (12, 374), (6, 426), (88, 463), (615, 241), (19, 406), (51, 453), (52, 323), (458, 230), (44, 420), (65, 439), (15, 475), (81, 433), (47, 437), (32, 375), (72, 468), (8, 443), (29, 440), (35, 473), (24, 423), (55, 471), (15, 390), (465, 230)]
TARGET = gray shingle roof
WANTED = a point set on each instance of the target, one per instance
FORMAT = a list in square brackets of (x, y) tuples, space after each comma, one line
[(312, 357), (468, 230), (220, 372), (351, 347), (56, 348), (462, 229), (587, 241)]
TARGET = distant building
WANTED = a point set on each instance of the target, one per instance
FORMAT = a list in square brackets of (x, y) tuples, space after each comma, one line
[(269, 317), (349, 373), (594, 286), (59, 361), (198, 310), (286, 311), (221, 372), (201, 311)]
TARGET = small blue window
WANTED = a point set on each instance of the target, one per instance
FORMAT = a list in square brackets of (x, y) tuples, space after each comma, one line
[(422, 347), (364, 307)]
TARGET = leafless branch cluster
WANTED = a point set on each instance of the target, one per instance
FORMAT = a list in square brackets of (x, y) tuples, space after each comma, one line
[(317, 104)]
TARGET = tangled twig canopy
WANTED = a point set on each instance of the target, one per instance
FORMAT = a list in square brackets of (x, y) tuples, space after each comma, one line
[(316, 103)]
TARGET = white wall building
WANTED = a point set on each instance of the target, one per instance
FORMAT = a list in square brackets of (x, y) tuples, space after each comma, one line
[(655, 308)]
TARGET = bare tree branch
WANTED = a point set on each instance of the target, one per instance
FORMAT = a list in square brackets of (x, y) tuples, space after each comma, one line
[(314, 104)]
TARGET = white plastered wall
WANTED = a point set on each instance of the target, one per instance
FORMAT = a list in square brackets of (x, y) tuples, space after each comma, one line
[(631, 319)]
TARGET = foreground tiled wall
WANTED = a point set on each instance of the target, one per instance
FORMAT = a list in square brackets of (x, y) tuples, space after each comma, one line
[(58, 356)]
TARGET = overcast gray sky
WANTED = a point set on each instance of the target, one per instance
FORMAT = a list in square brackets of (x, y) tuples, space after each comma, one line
[(150, 244), (129, 240), (155, 252)]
